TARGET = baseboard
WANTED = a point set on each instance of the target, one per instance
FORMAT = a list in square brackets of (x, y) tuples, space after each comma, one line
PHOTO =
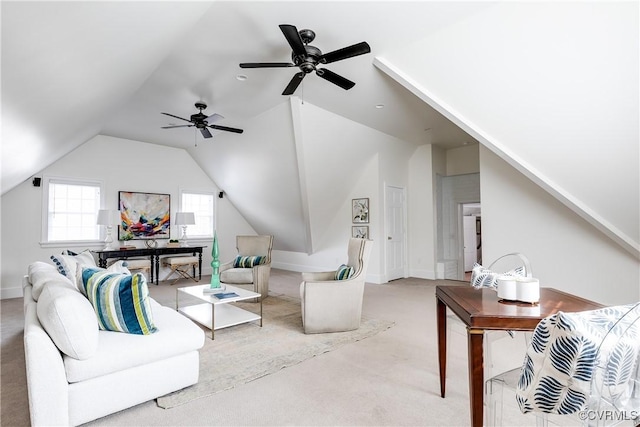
[(422, 274), (11, 293), (300, 268)]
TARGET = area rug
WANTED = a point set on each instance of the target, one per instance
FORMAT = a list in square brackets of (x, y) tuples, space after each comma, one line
[(243, 353)]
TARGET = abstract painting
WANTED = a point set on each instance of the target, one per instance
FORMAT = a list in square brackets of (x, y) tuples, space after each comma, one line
[(144, 216)]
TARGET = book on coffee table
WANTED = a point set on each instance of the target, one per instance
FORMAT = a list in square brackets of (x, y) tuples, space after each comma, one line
[(223, 295)]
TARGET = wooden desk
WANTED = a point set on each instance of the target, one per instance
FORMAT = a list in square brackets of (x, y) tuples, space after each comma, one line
[(480, 310), (154, 257)]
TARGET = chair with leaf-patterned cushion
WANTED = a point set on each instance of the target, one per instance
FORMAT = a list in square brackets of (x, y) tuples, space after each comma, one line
[(584, 364)]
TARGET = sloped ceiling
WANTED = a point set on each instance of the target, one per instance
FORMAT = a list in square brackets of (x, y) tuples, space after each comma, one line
[(71, 70)]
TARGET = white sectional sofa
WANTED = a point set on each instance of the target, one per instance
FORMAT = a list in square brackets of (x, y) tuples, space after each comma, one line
[(77, 373)]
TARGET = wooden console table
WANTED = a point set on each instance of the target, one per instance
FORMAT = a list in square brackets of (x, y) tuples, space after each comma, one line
[(480, 310), (154, 255)]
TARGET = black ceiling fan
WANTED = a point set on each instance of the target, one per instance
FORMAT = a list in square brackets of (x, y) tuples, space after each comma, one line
[(307, 58), (202, 122)]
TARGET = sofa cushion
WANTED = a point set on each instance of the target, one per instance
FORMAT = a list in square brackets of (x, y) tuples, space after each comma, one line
[(237, 276), (120, 301), (41, 273), (69, 320), (248, 261), (67, 263), (343, 272), (176, 335)]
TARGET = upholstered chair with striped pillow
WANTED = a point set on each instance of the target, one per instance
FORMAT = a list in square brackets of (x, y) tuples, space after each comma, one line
[(252, 265), (332, 300)]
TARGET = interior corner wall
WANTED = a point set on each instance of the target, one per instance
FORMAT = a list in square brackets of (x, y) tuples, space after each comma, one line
[(421, 214), (463, 160), (122, 165), (344, 160), (565, 251)]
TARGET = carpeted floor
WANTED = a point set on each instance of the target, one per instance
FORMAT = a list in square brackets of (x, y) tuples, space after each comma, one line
[(389, 379), (244, 353)]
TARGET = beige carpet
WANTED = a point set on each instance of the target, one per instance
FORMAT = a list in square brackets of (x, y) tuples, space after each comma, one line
[(243, 353)]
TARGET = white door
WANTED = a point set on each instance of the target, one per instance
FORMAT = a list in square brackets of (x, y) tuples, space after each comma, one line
[(395, 238), (470, 242)]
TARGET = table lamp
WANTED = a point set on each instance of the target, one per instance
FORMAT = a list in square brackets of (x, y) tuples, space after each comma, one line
[(185, 219), (108, 217)]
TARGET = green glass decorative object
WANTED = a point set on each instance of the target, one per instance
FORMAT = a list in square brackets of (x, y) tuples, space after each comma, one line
[(215, 263)]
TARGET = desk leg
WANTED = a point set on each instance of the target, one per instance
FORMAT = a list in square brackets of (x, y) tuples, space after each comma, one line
[(442, 344), (156, 264), (476, 376), (199, 267), (102, 261), (152, 269)]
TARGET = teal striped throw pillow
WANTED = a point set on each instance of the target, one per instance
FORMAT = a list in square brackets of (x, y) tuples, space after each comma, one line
[(121, 301), (344, 272), (248, 261)]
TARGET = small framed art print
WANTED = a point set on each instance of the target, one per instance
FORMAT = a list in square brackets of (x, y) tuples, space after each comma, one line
[(360, 231), (360, 211)]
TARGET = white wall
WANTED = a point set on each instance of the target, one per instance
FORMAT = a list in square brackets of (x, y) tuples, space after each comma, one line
[(463, 160), (258, 172), (122, 165), (553, 88), (565, 251), (421, 207), (342, 160)]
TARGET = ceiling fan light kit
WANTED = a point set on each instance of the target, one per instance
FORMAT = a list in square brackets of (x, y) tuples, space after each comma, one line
[(307, 58)]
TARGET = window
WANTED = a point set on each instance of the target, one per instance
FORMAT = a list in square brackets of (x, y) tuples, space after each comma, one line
[(72, 209), (201, 204)]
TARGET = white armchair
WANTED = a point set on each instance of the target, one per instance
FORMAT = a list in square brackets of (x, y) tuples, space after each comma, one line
[(330, 305), (256, 275)]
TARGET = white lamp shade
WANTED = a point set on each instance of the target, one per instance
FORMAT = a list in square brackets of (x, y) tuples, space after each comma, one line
[(108, 217), (185, 218)]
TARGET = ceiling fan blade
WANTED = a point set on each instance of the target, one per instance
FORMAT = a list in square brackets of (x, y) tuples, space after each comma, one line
[(228, 129), (294, 83), (266, 65), (293, 37), (176, 126), (346, 52), (213, 118), (205, 132), (171, 115), (335, 79)]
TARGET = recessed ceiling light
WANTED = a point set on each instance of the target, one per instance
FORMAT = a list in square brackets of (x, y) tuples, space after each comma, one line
[(241, 77), (378, 106)]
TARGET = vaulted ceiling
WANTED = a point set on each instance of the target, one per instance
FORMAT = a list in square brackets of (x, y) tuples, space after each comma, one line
[(72, 70)]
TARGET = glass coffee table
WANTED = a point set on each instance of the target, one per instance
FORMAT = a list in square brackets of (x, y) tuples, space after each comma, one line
[(217, 313)]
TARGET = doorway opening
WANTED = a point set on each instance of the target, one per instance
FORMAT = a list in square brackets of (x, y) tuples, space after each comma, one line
[(471, 218)]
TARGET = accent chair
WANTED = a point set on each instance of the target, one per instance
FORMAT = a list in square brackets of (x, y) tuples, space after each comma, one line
[(252, 265), (332, 300)]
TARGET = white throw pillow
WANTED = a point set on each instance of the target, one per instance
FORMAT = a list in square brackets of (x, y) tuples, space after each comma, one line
[(41, 273), (69, 319), (68, 262)]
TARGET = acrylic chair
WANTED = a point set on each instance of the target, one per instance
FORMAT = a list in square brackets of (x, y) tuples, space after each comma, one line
[(512, 263), (585, 365), (330, 305), (252, 265)]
